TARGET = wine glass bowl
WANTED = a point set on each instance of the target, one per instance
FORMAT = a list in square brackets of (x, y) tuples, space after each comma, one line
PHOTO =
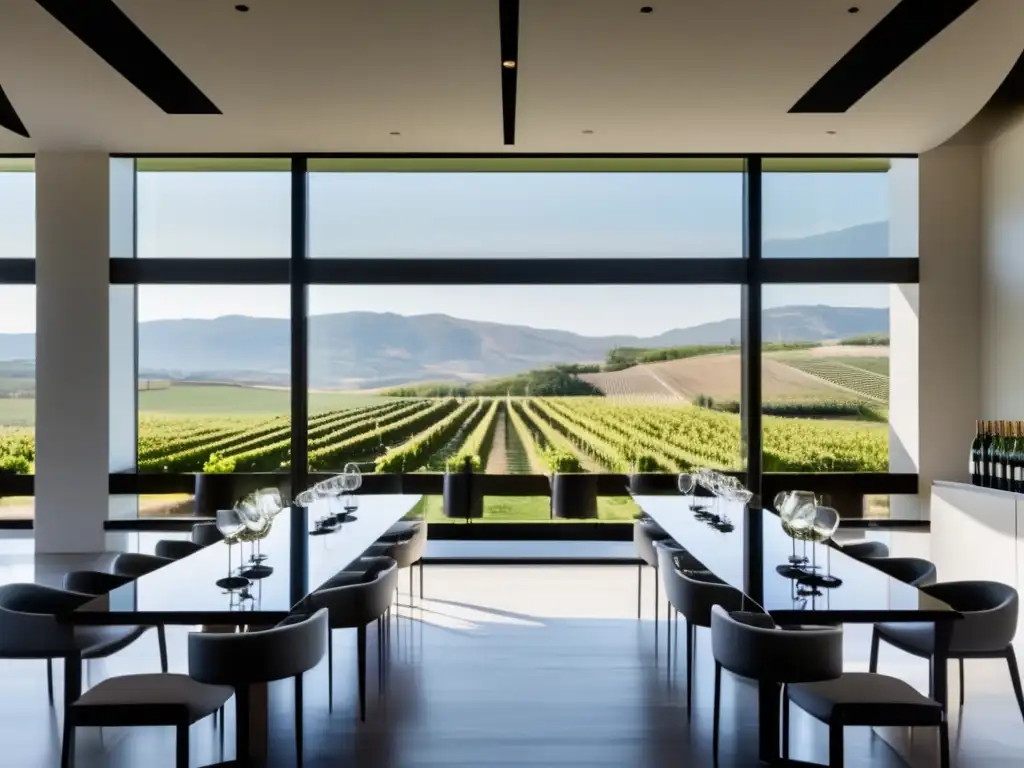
[(824, 524), (686, 483)]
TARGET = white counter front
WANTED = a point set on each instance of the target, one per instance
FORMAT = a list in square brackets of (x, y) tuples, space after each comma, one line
[(977, 533)]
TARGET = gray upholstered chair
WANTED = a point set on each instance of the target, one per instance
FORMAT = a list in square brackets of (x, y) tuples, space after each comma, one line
[(865, 549), (405, 548), (645, 533), (99, 583), (915, 571), (140, 700), (29, 629), (206, 534), (986, 630), (808, 663), (135, 564), (176, 549), (239, 660), (693, 592), (355, 599)]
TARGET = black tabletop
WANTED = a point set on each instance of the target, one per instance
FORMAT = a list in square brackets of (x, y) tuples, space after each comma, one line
[(186, 591), (864, 595)]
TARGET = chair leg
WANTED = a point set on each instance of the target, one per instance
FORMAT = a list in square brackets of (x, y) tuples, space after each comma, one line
[(1011, 662), (657, 587), (242, 707), (943, 744), (639, 589), (421, 578), (161, 638), (67, 750), (785, 722), (361, 647), (716, 716), (691, 630), (835, 745), (873, 663), (298, 719), (330, 671), (380, 658), (961, 682), (410, 583), (49, 679), (181, 759)]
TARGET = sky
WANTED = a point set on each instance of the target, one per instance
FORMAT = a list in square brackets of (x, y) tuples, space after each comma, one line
[(235, 215)]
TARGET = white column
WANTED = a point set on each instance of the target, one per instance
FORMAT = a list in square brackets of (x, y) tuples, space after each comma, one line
[(938, 371), (73, 334)]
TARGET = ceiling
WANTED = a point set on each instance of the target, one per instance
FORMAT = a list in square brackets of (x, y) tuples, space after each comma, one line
[(344, 75)]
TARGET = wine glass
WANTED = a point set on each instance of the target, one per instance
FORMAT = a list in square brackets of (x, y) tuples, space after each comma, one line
[(355, 477), (230, 524), (686, 483), (350, 503), (780, 501)]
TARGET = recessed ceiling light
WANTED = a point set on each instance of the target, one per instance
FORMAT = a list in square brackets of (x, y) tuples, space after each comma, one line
[(831, 133), (587, 131), (242, 8), (509, 64), (646, 9), (853, 9), (395, 133)]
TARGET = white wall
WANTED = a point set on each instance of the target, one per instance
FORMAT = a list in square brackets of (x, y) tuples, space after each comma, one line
[(1002, 336)]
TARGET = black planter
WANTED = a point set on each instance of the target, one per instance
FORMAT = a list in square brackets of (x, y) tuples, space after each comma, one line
[(463, 495), (574, 496), (654, 483), (221, 491)]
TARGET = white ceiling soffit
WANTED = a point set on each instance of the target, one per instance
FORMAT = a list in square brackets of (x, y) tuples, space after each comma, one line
[(341, 76)]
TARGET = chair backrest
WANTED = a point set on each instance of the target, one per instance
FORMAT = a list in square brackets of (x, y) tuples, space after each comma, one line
[(989, 611), (863, 549), (135, 564), (915, 571), (695, 593), (405, 551), (645, 533), (258, 657), (175, 549), (749, 646), (93, 582), (356, 599), (28, 627), (206, 534)]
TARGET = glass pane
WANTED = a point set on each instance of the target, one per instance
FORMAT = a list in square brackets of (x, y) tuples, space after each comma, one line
[(527, 215), (870, 212), (17, 208), (214, 378), (524, 380), (207, 212), (17, 385), (839, 379)]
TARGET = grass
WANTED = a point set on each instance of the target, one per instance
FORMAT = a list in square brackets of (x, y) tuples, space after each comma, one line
[(213, 399), (524, 509)]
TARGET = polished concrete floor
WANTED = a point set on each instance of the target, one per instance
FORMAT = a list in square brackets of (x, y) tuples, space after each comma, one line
[(501, 666)]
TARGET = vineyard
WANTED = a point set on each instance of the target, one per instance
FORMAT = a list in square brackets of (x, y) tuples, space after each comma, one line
[(854, 377), (501, 435)]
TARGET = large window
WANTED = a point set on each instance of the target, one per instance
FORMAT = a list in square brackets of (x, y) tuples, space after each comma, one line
[(525, 380), (687, 209), (194, 209), (17, 208)]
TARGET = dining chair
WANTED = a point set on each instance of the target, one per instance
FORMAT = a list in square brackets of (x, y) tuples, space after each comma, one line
[(986, 631), (136, 564), (355, 599), (206, 534), (865, 549), (645, 533), (406, 548), (145, 700), (29, 629), (808, 663), (693, 592), (98, 583), (915, 571), (243, 659), (175, 549)]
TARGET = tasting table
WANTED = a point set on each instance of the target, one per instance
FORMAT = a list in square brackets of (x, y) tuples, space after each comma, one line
[(185, 592), (746, 552)]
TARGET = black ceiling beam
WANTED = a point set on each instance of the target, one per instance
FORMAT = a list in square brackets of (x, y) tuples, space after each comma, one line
[(508, 21), (9, 118), (115, 38), (906, 29)]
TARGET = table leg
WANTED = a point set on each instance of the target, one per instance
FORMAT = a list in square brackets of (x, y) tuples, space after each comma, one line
[(72, 681), (768, 722)]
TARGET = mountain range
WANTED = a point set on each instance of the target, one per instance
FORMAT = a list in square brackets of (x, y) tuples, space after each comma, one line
[(370, 349)]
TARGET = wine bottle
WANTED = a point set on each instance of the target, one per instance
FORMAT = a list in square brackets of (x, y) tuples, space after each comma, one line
[(977, 455), (1008, 447), (994, 449), (986, 454), (1017, 476)]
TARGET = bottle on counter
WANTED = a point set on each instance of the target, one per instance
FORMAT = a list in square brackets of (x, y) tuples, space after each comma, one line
[(1017, 462), (991, 479), (977, 459), (1009, 447)]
